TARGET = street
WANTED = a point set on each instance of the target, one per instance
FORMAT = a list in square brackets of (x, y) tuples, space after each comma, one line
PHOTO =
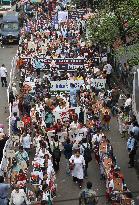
[(66, 189)]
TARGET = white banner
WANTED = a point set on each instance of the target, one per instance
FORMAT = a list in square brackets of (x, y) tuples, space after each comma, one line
[(64, 85), (62, 16), (98, 83), (63, 114)]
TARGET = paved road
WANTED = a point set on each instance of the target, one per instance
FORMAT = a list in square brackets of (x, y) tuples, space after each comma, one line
[(6, 55), (66, 188)]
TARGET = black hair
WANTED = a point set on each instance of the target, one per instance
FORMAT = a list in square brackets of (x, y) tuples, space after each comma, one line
[(68, 141), (84, 140), (1, 179), (45, 186), (89, 185), (44, 202)]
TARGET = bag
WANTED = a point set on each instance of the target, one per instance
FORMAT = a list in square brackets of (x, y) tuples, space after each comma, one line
[(87, 154), (71, 166), (56, 152), (88, 199)]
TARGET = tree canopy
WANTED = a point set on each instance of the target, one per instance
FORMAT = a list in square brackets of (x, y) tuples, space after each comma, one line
[(115, 21)]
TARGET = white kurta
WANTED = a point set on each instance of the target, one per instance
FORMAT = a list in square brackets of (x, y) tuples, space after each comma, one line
[(78, 167)]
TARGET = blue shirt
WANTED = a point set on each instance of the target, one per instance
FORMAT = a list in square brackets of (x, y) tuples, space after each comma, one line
[(131, 143), (4, 191)]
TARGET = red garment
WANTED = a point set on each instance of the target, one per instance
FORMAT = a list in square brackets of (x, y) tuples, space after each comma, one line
[(50, 129), (26, 120), (21, 177), (58, 127)]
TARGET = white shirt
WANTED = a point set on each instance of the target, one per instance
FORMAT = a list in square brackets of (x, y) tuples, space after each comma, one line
[(14, 91), (128, 102), (26, 141), (108, 69), (1, 130), (17, 198), (3, 72), (97, 137), (46, 195)]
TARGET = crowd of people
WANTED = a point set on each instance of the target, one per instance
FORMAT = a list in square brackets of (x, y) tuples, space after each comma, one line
[(74, 121)]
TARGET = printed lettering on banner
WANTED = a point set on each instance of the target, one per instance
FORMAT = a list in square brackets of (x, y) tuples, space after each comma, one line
[(64, 116), (99, 83), (64, 113), (68, 64), (62, 16), (74, 67), (74, 14), (64, 85)]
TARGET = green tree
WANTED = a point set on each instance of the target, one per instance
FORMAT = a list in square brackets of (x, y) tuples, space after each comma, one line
[(115, 20)]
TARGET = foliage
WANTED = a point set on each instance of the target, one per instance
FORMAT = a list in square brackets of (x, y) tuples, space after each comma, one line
[(103, 28), (131, 53), (115, 20)]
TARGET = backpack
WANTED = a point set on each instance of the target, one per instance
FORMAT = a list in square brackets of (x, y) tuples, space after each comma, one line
[(87, 154), (88, 199), (56, 152)]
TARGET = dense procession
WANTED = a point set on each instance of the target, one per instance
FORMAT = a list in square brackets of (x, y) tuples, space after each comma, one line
[(62, 100)]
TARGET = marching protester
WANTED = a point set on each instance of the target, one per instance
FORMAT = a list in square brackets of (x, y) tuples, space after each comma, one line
[(3, 75), (4, 191), (88, 196), (68, 153), (86, 152), (56, 153), (66, 108), (77, 165), (131, 146), (18, 197)]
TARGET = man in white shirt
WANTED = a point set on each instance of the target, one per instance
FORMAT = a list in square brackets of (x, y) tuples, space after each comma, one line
[(3, 75), (108, 69), (128, 101), (26, 142), (18, 197)]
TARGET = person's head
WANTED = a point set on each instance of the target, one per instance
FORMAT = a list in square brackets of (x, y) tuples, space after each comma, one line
[(132, 134), (17, 188), (89, 185), (1, 179), (44, 202), (45, 187), (21, 149), (21, 171), (68, 141), (135, 124), (3, 65), (15, 114), (72, 85), (77, 152), (56, 138), (14, 162), (128, 96), (84, 140)]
